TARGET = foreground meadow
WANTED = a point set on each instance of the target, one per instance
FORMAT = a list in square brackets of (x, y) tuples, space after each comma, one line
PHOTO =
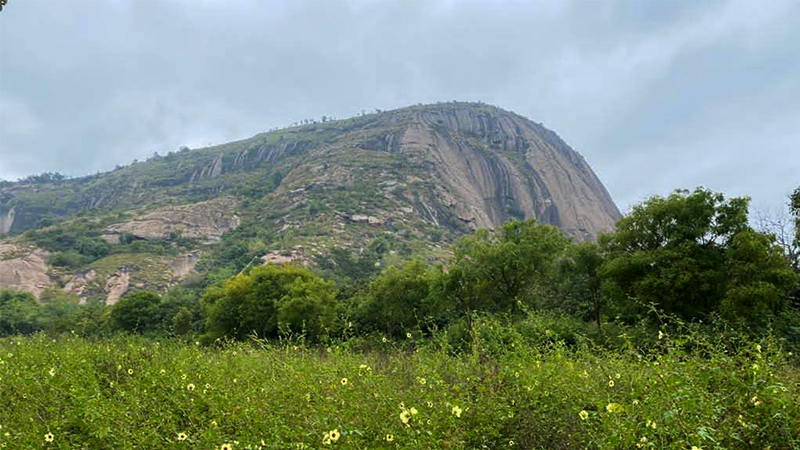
[(131, 392)]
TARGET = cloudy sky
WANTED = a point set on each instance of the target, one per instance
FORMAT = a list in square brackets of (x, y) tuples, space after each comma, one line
[(657, 95)]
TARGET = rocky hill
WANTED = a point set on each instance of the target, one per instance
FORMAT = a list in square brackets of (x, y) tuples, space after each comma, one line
[(413, 179)]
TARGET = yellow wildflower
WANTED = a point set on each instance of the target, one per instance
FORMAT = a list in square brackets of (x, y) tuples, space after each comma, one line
[(389, 438), (226, 447), (130, 371), (615, 408), (405, 416), (610, 383), (422, 381), (583, 415), (413, 411), (457, 411), (408, 335), (52, 371), (335, 435), (190, 387), (49, 437), (344, 381), (182, 436)]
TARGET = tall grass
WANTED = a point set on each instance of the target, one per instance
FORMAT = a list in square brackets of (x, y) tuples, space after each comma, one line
[(506, 391)]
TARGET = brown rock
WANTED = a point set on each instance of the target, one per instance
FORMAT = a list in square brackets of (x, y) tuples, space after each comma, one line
[(24, 268), (204, 220)]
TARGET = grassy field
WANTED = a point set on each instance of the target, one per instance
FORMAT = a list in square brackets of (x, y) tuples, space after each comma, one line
[(131, 392)]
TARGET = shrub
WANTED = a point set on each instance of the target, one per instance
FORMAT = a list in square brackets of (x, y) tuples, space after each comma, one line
[(251, 303), (136, 312), (397, 300), (17, 312)]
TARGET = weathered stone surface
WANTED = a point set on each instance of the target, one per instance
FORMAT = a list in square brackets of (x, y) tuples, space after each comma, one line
[(24, 268), (204, 220), (294, 256), (80, 282), (184, 265), (527, 170), (361, 218), (6, 220), (117, 285)]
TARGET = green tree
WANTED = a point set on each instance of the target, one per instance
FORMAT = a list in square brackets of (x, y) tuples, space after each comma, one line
[(59, 311), (398, 299), (309, 308), (686, 253), (136, 312), (18, 311), (249, 303), (759, 280), (500, 270), (182, 321), (579, 281)]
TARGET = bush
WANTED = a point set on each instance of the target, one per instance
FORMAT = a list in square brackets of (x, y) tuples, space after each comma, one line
[(250, 304), (397, 300), (309, 308), (18, 311), (136, 312)]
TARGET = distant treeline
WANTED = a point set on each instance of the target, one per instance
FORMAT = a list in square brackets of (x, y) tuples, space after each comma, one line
[(689, 257)]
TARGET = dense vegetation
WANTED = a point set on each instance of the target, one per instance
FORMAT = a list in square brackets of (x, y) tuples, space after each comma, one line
[(679, 330), (517, 387)]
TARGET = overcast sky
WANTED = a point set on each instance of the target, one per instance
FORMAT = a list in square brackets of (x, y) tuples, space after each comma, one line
[(657, 95)]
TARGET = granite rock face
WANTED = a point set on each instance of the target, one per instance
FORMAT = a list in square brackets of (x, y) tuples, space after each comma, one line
[(496, 165), (24, 267), (203, 220)]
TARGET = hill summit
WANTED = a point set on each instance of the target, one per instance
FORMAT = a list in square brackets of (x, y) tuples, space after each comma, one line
[(420, 176)]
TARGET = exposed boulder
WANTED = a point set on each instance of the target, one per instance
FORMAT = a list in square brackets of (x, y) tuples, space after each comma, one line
[(184, 265), (6, 220), (24, 268), (79, 283), (206, 221), (117, 285), (295, 256)]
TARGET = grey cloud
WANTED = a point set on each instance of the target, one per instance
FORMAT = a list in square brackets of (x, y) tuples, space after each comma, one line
[(656, 95)]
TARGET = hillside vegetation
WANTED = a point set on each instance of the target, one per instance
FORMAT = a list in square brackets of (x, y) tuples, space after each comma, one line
[(415, 179), (680, 330)]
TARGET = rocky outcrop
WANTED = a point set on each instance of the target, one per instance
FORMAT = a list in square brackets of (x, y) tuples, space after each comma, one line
[(295, 256), (6, 220), (491, 165), (24, 268), (117, 285), (184, 265), (206, 221), (79, 283)]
